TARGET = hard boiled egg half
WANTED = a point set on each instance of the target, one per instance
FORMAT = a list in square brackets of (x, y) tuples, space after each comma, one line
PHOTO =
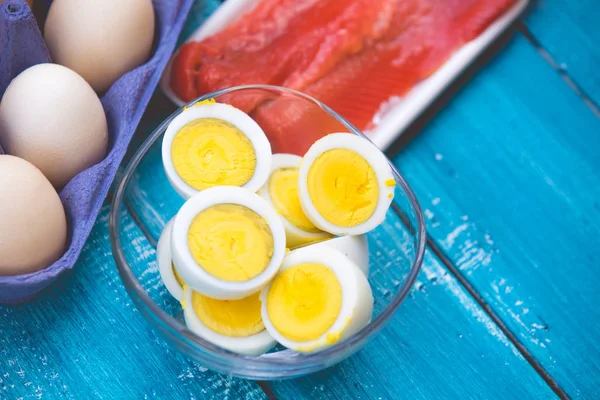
[(166, 268), (316, 300), (227, 242), (212, 144), (345, 184), (235, 325), (281, 191)]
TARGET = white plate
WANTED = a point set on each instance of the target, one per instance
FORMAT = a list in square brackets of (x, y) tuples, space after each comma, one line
[(396, 114)]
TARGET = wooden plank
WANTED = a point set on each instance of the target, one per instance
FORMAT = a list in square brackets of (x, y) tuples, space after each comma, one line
[(83, 338), (508, 175), (568, 31), (440, 342)]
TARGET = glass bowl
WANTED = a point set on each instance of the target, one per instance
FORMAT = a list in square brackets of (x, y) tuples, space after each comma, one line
[(144, 202)]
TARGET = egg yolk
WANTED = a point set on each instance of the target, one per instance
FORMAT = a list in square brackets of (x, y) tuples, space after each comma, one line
[(235, 318), (177, 276), (343, 187), (283, 190), (210, 152), (304, 301), (231, 242)]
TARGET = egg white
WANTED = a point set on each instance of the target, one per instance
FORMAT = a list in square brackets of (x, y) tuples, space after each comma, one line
[(253, 345), (165, 262), (355, 247), (195, 276), (232, 115), (357, 298), (373, 156), (294, 235)]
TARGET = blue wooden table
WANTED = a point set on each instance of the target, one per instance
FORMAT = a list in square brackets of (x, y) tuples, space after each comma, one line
[(506, 305)]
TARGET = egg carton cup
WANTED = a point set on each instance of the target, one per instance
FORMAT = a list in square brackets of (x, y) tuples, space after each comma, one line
[(21, 46)]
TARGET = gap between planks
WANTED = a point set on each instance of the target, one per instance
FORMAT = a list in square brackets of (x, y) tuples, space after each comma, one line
[(445, 260), (578, 89), (417, 126)]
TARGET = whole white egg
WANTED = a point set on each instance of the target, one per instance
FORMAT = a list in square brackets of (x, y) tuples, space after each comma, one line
[(100, 39), (52, 118), (33, 226)]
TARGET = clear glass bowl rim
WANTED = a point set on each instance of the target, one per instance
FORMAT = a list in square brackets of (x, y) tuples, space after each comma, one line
[(211, 353)]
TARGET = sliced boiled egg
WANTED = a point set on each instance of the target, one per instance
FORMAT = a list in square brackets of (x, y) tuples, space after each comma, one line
[(345, 185), (235, 325), (316, 300), (355, 247), (166, 268), (213, 144), (281, 191), (227, 242)]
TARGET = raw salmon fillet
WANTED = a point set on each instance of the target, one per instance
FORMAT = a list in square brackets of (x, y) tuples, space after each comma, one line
[(351, 55), (289, 43)]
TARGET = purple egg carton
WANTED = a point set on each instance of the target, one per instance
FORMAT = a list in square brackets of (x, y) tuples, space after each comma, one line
[(21, 46)]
